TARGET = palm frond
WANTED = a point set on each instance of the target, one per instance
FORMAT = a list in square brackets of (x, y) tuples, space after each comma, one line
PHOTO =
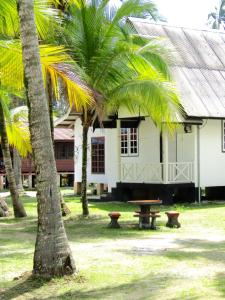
[(159, 99), (19, 137), (9, 23), (16, 125), (53, 60), (121, 67), (46, 16), (78, 93)]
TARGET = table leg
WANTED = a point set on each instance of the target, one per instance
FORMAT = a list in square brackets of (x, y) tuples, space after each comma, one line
[(144, 222)]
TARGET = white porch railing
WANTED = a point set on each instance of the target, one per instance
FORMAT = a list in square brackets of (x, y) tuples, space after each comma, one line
[(153, 172), (136, 172), (181, 172)]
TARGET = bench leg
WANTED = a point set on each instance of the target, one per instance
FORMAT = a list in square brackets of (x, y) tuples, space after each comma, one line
[(143, 224), (173, 222), (114, 223), (153, 223)]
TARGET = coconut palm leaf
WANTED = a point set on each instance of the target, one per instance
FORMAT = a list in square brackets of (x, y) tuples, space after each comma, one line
[(46, 17), (120, 66), (16, 125), (19, 137), (53, 60)]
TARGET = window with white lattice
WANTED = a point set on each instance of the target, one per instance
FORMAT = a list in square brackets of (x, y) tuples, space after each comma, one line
[(129, 141)]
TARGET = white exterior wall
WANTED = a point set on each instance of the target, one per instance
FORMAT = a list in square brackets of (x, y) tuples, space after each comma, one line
[(185, 146), (181, 149), (149, 144), (181, 146), (111, 164), (92, 178), (149, 151), (77, 150), (212, 159)]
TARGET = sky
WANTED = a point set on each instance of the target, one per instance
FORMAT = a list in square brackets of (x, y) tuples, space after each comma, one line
[(187, 13)]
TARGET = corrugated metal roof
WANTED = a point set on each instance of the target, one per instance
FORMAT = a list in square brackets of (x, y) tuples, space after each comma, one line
[(198, 66), (67, 120), (63, 134)]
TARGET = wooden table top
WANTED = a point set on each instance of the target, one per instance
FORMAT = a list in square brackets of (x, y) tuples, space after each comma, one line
[(145, 202)]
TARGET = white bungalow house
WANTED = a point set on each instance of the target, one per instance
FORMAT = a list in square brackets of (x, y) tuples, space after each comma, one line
[(135, 161)]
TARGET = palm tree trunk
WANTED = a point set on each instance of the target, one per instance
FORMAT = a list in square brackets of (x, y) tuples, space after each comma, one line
[(84, 171), (50, 106), (19, 211), (17, 170), (52, 256), (65, 210), (16, 157)]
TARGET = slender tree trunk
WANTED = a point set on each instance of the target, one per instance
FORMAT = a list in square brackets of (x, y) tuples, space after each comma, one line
[(16, 157), (64, 207), (50, 106), (19, 211), (84, 171), (52, 256), (17, 170)]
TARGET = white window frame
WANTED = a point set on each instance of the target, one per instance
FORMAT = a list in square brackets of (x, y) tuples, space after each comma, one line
[(129, 142), (223, 135)]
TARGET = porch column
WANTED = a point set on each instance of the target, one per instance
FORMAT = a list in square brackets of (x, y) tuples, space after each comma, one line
[(165, 153), (77, 188), (30, 181), (1, 182), (118, 128), (100, 189), (197, 163), (58, 179)]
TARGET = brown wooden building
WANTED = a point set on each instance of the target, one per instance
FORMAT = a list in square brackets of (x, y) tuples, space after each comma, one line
[(64, 155)]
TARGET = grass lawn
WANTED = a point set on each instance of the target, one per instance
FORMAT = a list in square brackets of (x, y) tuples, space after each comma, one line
[(126, 263)]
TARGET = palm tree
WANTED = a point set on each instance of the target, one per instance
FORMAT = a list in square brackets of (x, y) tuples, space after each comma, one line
[(19, 138), (121, 68), (16, 134), (51, 57), (54, 69), (17, 163), (216, 19), (52, 255)]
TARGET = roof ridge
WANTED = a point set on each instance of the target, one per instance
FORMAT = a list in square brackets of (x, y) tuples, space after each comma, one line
[(132, 19)]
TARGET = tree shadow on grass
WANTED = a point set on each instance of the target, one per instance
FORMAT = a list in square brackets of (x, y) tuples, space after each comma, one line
[(27, 285), (219, 282), (190, 249), (93, 230), (182, 249), (142, 288)]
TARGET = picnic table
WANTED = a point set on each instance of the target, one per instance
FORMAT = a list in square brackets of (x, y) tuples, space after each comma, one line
[(145, 212)]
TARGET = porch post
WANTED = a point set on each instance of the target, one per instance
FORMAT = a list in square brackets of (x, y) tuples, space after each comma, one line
[(1, 183), (77, 188), (197, 163), (30, 185), (165, 155), (118, 128)]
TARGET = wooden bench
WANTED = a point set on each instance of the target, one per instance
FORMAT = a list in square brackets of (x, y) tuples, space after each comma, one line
[(151, 212), (114, 215), (172, 219), (152, 215)]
